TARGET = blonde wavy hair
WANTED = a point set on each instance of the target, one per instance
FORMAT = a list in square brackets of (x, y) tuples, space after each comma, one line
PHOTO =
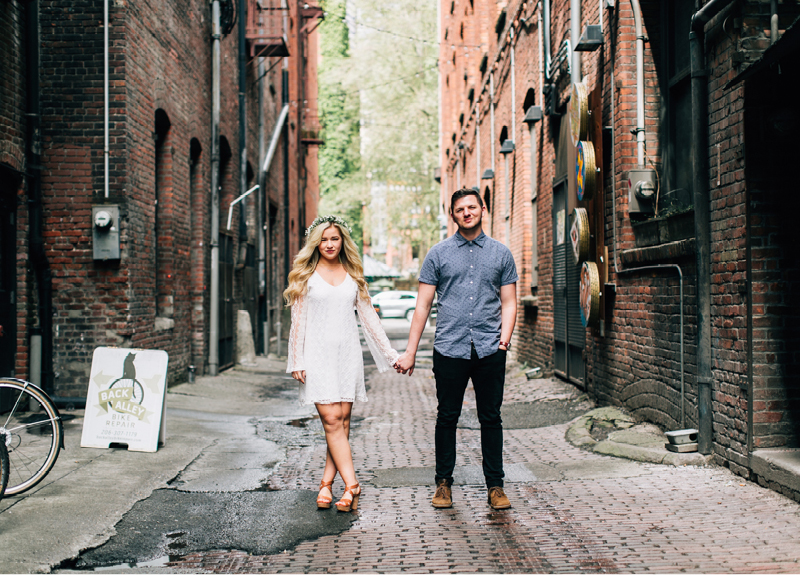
[(305, 262)]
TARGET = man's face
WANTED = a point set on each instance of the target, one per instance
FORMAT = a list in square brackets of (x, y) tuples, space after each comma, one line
[(467, 212)]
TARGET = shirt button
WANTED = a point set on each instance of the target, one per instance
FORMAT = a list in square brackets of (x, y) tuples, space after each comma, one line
[(471, 266), (470, 282), (470, 298), (470, 251), (470, 314)]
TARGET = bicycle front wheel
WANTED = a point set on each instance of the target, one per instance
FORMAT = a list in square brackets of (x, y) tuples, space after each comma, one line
[(30, 427)]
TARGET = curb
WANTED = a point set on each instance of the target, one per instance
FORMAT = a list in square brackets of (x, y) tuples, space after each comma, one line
[(579, 435)]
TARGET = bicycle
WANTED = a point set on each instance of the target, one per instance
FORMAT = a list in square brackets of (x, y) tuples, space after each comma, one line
[(32, 432)]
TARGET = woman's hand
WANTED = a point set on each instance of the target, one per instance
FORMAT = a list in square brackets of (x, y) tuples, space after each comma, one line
[(299, 376)]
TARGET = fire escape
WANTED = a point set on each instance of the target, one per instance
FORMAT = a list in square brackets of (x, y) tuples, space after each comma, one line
[(266, 28)]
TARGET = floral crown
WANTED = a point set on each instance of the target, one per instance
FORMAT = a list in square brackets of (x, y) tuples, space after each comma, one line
[(329, 219)]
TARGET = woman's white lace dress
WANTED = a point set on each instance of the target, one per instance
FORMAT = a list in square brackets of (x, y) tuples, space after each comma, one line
[(324, 342)]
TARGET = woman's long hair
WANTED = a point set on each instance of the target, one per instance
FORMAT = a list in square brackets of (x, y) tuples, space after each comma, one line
[(305, 262)]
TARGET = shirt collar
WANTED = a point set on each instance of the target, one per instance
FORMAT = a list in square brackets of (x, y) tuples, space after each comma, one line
[(480, 240)]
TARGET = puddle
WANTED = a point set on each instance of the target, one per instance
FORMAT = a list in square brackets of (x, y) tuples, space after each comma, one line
[(157, 562), (302, 422)]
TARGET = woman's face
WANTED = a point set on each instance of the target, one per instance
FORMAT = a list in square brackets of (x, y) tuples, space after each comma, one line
[(331, 244)]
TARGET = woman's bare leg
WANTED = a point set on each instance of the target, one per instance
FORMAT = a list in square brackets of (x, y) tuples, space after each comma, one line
[(333, 418), (330, 467)]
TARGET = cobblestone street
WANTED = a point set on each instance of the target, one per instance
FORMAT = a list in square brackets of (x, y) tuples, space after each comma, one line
[(572, 510)]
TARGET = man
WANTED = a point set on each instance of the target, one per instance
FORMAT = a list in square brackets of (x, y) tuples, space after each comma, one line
[(475, 279)]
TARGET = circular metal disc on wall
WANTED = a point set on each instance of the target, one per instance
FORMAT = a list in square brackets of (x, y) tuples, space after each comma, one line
[(579, 113), (590, 294), (579, 234), (585, 171)]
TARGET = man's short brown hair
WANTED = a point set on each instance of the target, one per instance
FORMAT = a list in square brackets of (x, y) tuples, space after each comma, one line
[(462, 193)]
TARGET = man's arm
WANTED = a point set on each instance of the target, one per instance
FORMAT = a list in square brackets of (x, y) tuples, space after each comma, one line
[(424, 301), (508, 313)]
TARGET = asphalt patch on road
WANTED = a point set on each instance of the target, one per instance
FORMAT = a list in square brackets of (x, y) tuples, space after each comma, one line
[(531, 415), (173, 523)]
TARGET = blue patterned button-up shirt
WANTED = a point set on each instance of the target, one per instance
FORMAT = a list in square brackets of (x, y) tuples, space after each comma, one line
[(468, 276)]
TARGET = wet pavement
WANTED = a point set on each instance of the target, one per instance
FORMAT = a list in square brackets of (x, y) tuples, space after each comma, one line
[(237, 481)]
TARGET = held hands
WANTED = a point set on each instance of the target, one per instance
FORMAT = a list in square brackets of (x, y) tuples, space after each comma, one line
[(405, 363), (299, 376)]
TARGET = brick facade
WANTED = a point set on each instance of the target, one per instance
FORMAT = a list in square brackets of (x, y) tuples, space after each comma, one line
[(156, 296), (633, 356)]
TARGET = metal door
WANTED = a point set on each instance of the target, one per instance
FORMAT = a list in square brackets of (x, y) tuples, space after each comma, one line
[(250, 288), (568, 332), (226, 317), (8, 272)]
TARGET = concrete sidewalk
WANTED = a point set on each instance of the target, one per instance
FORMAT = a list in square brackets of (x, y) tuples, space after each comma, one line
[(89, 490)]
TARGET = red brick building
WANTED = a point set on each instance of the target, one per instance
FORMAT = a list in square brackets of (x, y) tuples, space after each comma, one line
[(112, 231), (633, 156)]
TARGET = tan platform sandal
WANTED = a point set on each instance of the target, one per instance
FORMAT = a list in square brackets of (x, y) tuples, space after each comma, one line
[(324, 502), (352, 503)]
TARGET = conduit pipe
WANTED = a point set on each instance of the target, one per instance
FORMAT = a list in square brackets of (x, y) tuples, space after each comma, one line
[(640, 135), (261, 227), (213, 320), (242, 116), (276, 136), (478, 150), (105, 99), (702, 222), (513, 90), (491, 117), (575, 36), (546, 32)]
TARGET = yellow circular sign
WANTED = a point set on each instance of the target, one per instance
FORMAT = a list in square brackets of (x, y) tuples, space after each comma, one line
[(590, 294), (578, 113)]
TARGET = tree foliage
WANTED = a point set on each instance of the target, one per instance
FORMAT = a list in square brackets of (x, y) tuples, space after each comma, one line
[(379, 105)]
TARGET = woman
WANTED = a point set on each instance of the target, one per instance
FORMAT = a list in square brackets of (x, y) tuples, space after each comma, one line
[(326, 282)]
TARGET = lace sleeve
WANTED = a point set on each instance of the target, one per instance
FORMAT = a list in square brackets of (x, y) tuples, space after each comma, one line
[(378, 343), (297, 336)]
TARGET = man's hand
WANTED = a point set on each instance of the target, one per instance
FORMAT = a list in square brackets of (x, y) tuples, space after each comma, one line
[(299, 376), (405, 363)]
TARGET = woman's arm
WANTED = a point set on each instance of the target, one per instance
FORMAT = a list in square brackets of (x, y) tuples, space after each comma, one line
[(380, 347), (297, 339)]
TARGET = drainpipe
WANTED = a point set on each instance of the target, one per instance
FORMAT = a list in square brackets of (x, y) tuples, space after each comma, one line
[(491, 118), (575, 36), (513, 90), (478, 149), (105, 98), (261, 202), (213, 324), (38, 255), (702, 225), (242, 117), (286, 250), (640, 136), (546, 33)]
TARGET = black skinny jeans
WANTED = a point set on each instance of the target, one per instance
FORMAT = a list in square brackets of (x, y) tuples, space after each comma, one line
[(488, 378)]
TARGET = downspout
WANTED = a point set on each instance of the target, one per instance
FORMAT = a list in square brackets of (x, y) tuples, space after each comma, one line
[(242, 117), (262, 322), (38, 255), (105, 99), (702, 225), (575, 36), (491, 117), (546, 32), (213, 320), (513, 91), (640, 135), (478, 150)]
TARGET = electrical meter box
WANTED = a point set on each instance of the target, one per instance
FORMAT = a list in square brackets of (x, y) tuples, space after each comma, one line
[(641, 191), (105, 232)]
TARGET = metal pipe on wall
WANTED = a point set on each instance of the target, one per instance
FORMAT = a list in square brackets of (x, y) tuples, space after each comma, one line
[(640, 135), (242, 23), (261, 228), (513, 90), (702, 222), (575, 36), (213, 320), (478, 150), (105, 99), (491, 117)]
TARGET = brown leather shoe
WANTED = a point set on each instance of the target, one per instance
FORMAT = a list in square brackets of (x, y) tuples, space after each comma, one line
[(498, 499), (443, 498)]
